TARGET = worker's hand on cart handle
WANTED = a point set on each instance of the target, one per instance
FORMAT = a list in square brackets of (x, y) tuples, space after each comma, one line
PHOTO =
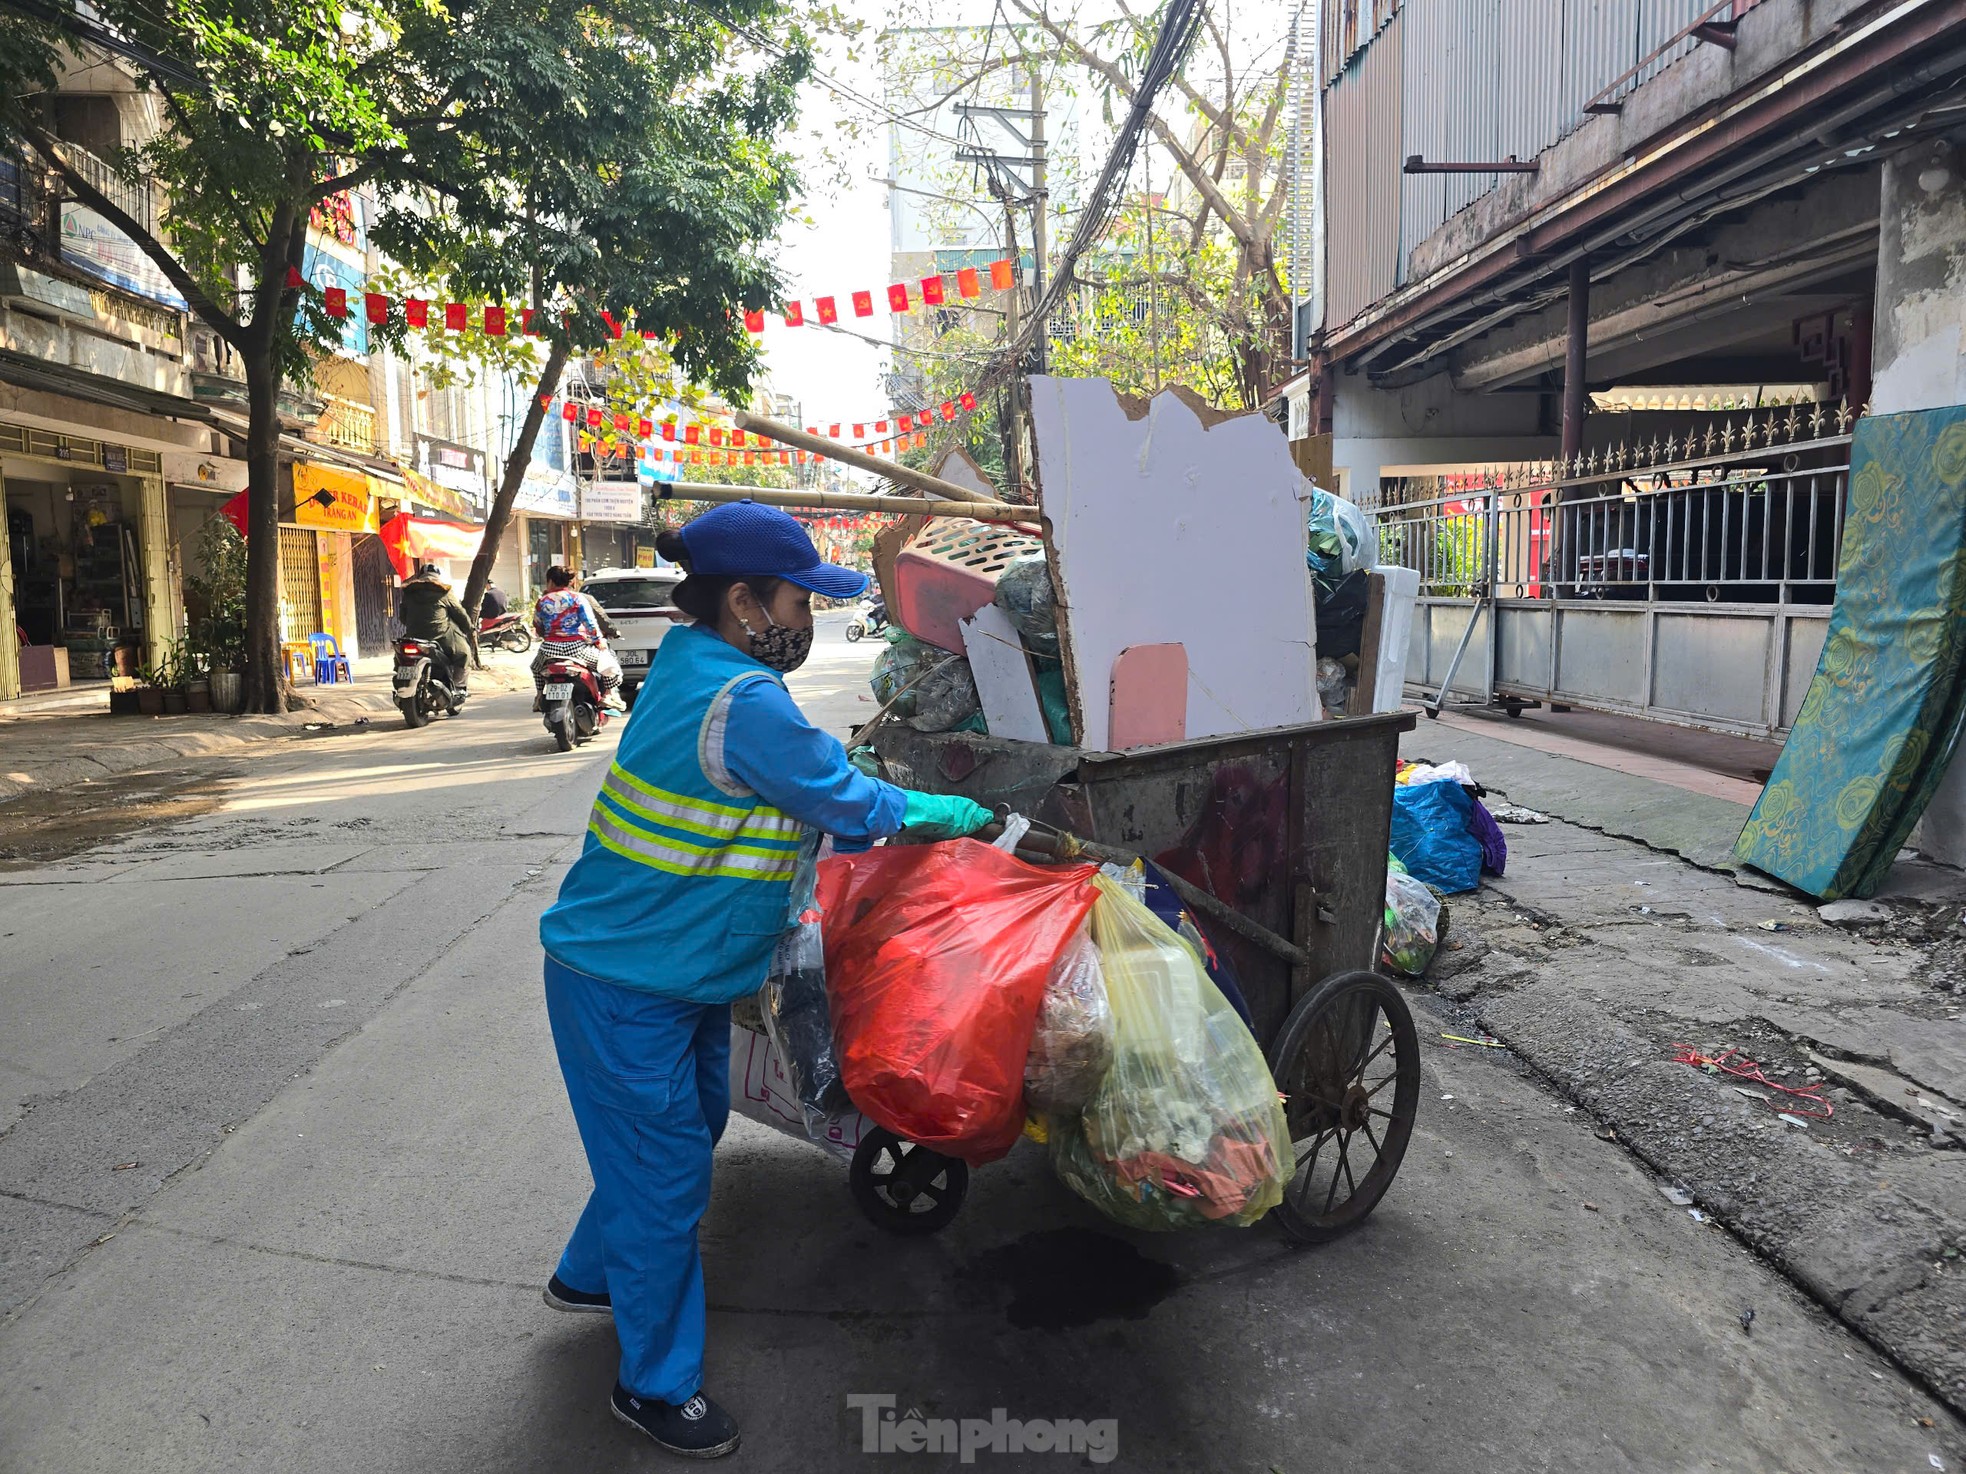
[(942, 816)]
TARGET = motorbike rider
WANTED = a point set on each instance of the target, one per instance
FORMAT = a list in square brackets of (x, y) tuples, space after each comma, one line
[(494, 604), (429, 611), (571, 626)]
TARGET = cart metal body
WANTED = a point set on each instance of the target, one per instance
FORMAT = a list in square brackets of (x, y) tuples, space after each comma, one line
[(1288, 828)]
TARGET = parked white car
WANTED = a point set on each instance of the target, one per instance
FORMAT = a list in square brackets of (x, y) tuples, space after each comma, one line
[(638, 601)]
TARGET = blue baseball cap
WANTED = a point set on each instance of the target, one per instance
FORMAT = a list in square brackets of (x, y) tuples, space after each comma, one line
[(749, 539)]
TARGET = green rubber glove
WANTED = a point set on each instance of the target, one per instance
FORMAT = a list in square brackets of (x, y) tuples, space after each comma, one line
[(942, 816)]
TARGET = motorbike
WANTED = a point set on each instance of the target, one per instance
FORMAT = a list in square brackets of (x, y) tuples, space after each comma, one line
[(423, 683), (869, 619), (505, 631), (571, 701)]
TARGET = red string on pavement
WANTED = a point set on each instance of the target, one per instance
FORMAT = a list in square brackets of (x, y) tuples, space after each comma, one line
[(1733, 1062)]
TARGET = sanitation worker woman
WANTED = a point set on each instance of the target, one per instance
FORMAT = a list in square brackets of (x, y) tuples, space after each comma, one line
[(671, 913)]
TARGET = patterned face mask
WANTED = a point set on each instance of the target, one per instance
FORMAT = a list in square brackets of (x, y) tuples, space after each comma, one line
[(780, 646)]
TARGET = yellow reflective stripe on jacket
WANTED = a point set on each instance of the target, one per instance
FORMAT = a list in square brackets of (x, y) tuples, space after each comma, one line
[(654, 804), (658, 833), (676, 859), (699, 815)]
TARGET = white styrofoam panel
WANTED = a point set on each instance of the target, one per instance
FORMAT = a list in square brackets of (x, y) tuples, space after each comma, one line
[(1166, 531), (1395, 635), (1004, 682)]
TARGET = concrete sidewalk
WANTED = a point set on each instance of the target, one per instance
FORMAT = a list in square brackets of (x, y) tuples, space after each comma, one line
[(1602, 950), (49, 742)]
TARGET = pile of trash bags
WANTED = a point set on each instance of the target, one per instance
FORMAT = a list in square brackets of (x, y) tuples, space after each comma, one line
[(1442, 833), (1413, 922), (973, 998), (1341, 551)]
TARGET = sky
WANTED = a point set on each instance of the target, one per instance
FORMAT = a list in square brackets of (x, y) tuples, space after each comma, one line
[(841, 248)]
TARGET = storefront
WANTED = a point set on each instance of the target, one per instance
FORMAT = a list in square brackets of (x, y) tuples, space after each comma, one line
[(86, 545)]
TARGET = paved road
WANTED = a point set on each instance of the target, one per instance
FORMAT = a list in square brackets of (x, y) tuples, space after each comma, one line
[(295, 1159)]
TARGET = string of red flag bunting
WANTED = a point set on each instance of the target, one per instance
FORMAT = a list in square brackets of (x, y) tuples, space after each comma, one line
[(496, 320), (701, 442)]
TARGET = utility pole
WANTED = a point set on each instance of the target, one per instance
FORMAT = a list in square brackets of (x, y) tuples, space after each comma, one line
[(1040, 205), (1153, 283)]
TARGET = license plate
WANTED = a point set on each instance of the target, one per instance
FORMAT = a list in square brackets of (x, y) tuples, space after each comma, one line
[(634, 657), (559, 691)]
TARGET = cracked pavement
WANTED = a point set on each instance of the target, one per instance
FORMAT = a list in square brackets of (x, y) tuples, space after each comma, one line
[(286, 1159), (1596, 957)]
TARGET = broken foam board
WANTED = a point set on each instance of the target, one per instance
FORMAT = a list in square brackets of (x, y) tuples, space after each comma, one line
[(1167, 530), (1005, 683)]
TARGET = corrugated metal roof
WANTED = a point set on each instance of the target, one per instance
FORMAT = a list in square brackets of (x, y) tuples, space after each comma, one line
[(1462, 81)]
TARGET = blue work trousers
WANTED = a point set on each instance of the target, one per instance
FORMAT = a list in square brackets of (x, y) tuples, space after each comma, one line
[(649, 1079)]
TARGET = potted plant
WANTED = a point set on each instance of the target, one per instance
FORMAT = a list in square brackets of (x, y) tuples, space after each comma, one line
[(173, 677), (216, 599), (150, 693)]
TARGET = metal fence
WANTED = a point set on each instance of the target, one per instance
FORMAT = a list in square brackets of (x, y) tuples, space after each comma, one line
[(1688, 579)]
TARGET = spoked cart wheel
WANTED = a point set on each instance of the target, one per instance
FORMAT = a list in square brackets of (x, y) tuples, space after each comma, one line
[(905, 1188), (1348, 1064)]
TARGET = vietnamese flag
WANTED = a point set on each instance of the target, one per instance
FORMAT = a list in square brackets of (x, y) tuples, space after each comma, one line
[(336, 299), (863, 304), (621, 422), (668, 429), (897, 297), (880, 427), (737, 437), (455, 317), (948, 410), (495, 321), (1002, 274), (716, 435), (614, 328), (235, 512), (907, 422), (692, 434), (829, 311), (859, 432), (416, 312), (795, 315), (967, 283), (932, 290), (294, 279), (832, 432), (570, 412), (594, 418), (376, 306), (754, 322), (969, 401), (526, 326), (645, 428)]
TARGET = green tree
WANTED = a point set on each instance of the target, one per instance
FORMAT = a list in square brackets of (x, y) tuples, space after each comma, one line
[(493, 133)]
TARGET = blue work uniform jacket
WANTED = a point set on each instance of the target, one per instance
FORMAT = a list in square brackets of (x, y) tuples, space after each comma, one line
[(684, 880)]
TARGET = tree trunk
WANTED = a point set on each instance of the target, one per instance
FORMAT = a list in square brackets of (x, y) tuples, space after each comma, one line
[(266, 673), (500, 516)]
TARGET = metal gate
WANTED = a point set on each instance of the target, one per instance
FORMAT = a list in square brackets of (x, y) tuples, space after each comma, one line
[(1684, 581), (300, 585), (374, 585)]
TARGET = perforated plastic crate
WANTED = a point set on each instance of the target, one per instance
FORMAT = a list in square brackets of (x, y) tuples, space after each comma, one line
[(950, 571)]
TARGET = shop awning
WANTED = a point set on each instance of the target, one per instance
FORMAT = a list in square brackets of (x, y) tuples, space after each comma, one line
[(413, 540)]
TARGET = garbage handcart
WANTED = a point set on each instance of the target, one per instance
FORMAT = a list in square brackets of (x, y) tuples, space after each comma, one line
[(1276, 842)]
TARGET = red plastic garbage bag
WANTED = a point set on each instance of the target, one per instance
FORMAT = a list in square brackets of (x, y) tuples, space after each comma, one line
[(936, 963)]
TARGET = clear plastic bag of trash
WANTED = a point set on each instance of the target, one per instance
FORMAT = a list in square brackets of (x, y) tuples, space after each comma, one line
[(1072, 1047), (1342, 541), (1186, 1127), (1024, 593), (946, 699), (793, 1002), (1412, 924), (1334, 684)]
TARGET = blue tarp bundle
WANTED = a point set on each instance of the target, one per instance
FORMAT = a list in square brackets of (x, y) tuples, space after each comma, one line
[(1432, 838)]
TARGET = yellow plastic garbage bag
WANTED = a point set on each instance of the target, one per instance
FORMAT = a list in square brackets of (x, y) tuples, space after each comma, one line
[(1186, 1128)]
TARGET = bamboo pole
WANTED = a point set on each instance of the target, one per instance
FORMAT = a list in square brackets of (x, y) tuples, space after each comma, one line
[(892, 470), (845, 501)]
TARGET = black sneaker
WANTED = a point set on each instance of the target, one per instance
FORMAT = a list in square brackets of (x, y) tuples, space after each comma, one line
[(698, 1429), (563, 1296)]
